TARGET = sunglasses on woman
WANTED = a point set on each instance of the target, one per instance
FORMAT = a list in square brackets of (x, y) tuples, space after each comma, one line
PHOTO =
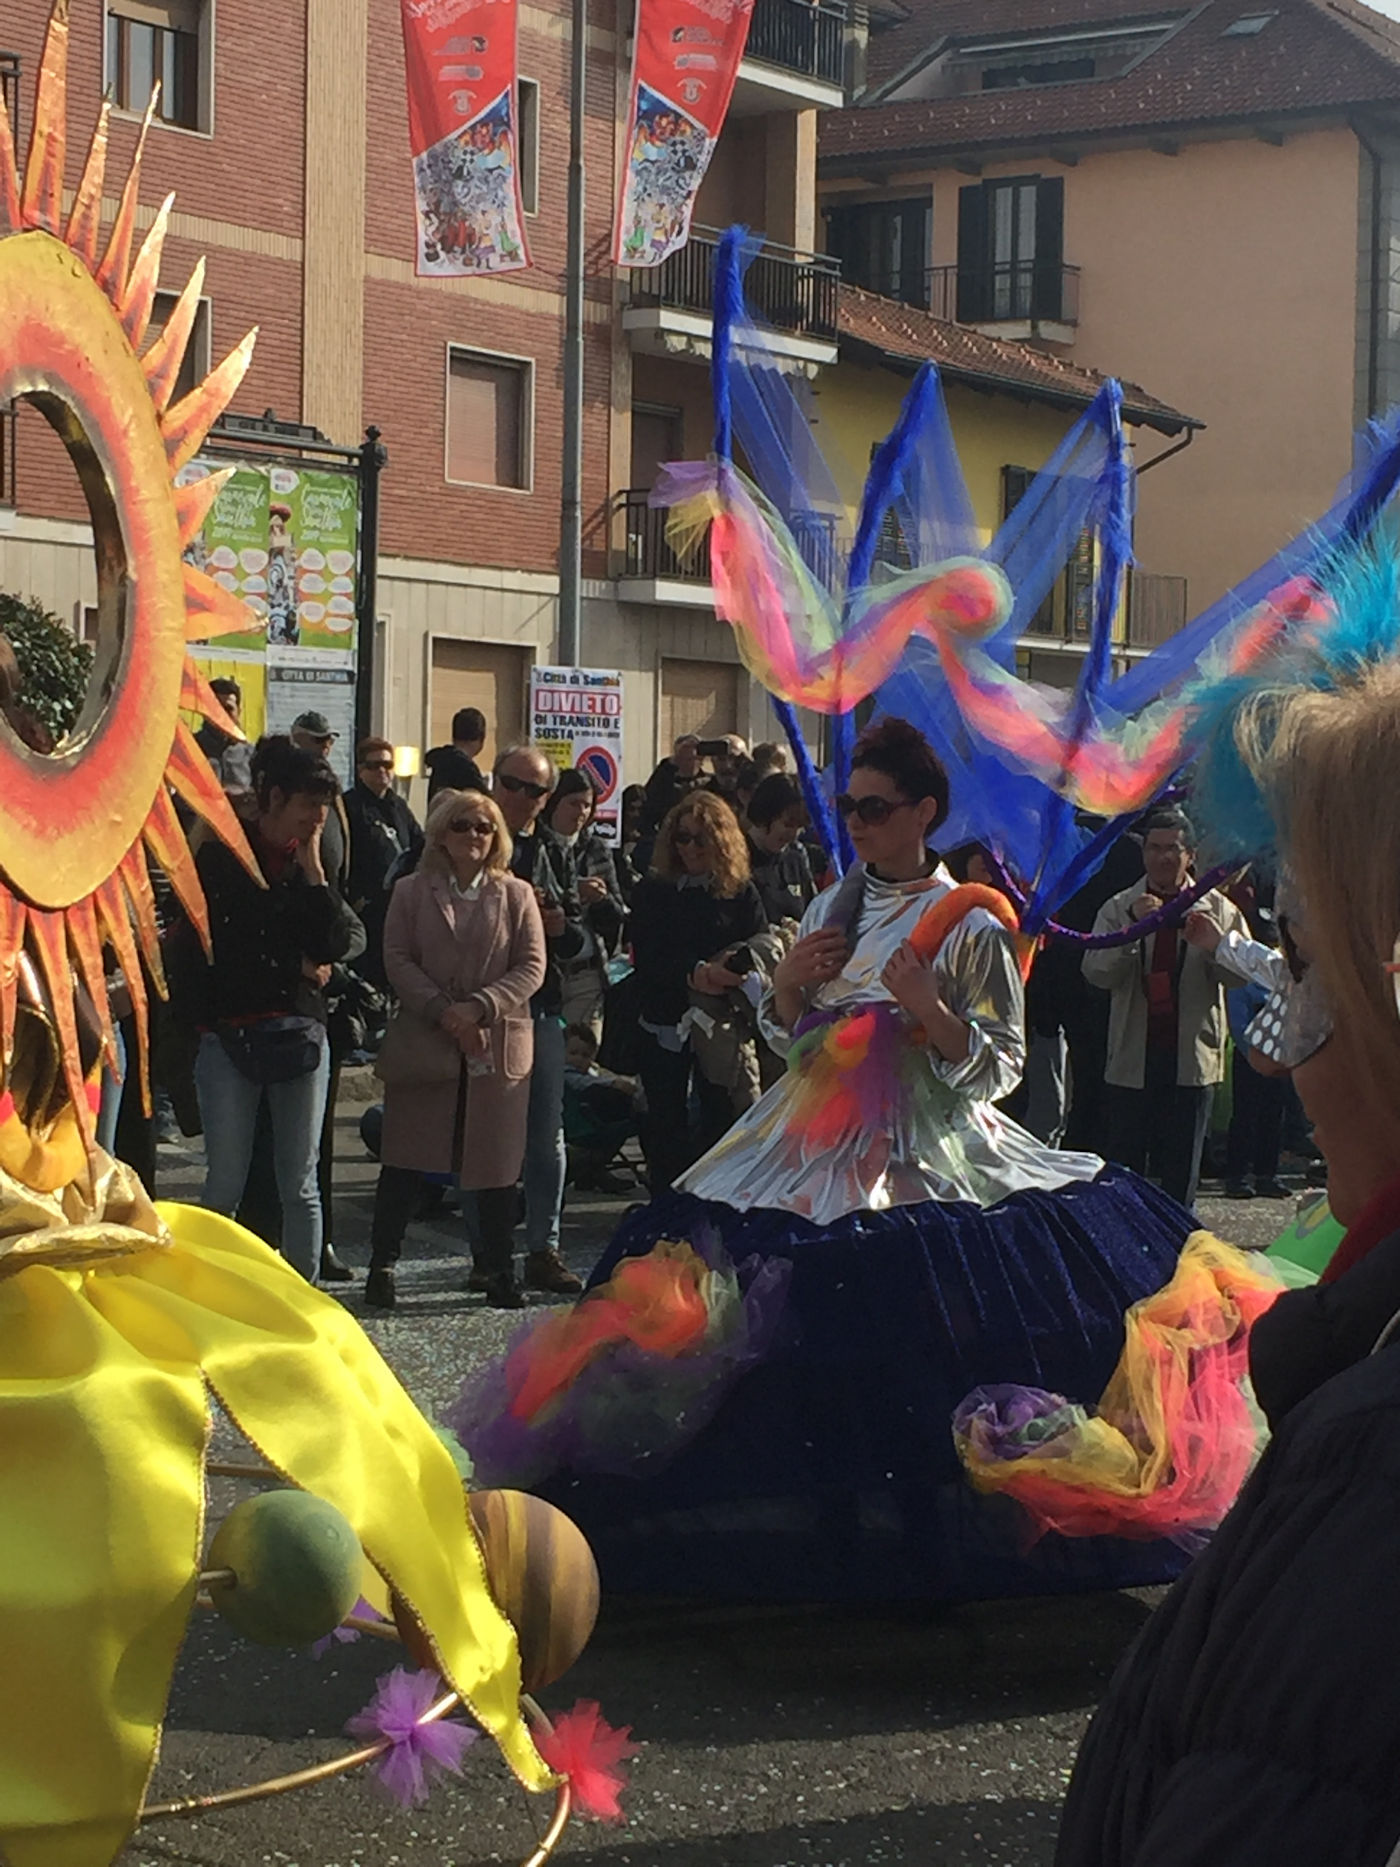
[(871, 810), (378, 764), (507, 783), (471, 826), (684, 838)]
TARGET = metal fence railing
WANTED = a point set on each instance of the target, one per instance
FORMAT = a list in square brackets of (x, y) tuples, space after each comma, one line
[(798, 36), (1023, 291), (792, 291)]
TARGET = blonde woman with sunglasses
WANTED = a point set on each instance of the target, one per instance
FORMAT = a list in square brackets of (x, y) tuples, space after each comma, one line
[(464, 950)]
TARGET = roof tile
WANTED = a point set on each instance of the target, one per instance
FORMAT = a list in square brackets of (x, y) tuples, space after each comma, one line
[(967, 355)]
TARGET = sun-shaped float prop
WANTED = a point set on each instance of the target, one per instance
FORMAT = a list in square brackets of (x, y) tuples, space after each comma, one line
[(79, 824), (118, 1319)]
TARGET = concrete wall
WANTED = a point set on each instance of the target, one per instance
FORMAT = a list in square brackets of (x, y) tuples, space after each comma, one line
[(1224, 280)]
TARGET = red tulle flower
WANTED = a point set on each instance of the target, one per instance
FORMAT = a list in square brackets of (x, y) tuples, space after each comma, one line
[(590, 1754)]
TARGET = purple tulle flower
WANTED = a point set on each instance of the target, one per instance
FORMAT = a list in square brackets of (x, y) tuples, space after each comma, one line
[(344, 1636), (417, 1751)]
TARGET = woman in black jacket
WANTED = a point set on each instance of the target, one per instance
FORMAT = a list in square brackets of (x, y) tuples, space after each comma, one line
[(691, 918), (258, 1006), (567, 819)]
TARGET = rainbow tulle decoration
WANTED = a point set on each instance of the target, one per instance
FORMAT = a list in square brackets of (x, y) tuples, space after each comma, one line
[(908, 601), (624, 1379), (1173, 1437)]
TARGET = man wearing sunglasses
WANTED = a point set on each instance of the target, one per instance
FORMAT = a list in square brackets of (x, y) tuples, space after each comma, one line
[(524, 779), (382, 830)]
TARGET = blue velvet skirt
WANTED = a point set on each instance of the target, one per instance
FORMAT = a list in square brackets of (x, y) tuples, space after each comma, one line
[(828, 1472)]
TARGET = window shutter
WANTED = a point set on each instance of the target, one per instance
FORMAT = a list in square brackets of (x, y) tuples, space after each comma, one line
[(1048, 289), (973, 282)]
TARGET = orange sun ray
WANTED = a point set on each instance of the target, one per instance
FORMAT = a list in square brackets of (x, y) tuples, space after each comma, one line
[(212, 610), (196, 781), (193, 503), (9, 172), (86, 944), (185, 426), (111, 274), (42, 202), (49, 939), (166, 841), (197, 696), (134, 310), (162, 361), (85, 221), (115, 917), (13, 915), (141, 899)]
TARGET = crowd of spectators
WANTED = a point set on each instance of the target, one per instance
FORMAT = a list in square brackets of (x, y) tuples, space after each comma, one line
[(540, 997)]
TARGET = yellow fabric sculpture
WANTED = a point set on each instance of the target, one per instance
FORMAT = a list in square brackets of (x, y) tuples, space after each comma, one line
[(115, 1324)]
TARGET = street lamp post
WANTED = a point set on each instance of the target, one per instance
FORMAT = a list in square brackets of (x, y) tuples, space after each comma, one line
[(571, 495)]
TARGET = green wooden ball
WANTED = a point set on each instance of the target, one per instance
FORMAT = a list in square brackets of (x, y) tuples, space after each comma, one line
[(296, 1565)]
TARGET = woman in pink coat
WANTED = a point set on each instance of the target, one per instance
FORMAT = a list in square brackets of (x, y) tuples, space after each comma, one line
[(464, 951)]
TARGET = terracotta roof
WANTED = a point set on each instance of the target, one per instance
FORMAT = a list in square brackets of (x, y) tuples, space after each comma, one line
[(907, 334), (1312, 56)]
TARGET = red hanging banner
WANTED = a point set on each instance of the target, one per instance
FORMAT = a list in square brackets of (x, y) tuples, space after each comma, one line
[(684, 65), (464, 127)]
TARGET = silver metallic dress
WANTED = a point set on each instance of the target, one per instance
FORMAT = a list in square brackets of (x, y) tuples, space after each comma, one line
[(938, 1135)]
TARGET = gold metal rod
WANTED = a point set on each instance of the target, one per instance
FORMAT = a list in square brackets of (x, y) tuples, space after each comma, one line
[(206, 1576)]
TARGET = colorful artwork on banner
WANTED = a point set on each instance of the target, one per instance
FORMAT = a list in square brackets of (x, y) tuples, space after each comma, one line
[(576, 715), (285, 540), (464, 128), (684, 66)]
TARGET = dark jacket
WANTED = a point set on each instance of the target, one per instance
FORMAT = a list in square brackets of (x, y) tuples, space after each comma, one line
[(260, 938), (381, 829), (673, 929), (784, 881), (664, 790), (1254, 1721), (450, 769), (548, 864), (604, 919)]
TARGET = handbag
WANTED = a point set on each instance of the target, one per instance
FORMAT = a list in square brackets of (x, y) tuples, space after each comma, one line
[(273, 1050), (417, 1051)]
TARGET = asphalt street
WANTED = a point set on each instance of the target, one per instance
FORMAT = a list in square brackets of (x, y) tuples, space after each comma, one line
[(769, 1738)]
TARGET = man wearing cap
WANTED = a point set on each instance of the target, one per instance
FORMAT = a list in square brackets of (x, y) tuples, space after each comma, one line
[(312, 732)]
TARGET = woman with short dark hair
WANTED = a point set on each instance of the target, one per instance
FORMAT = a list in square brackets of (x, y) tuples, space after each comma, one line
[(782, 873), (568, 819), (258, 1003)]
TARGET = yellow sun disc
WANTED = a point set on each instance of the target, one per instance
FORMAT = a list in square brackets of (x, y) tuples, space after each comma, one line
[(68, 820)]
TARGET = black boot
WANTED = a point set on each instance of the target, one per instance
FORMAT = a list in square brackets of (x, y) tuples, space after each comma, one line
[(379, 1287)]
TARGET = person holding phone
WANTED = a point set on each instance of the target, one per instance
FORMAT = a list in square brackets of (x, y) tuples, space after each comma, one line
[(691, 920), (258, 1004)]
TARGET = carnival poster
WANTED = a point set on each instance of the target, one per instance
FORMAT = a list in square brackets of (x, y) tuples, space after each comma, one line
[(684, 65), (464, 128), (576, 717)]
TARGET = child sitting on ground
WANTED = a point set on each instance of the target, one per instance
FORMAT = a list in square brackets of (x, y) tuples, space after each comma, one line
[(600, 1113)]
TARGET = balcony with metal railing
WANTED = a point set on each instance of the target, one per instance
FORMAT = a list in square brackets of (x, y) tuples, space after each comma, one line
[(794, 294), (651, 570), (799, 37), (1025, 298)]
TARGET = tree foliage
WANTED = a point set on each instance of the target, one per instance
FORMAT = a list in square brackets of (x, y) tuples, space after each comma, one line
[(56, 668)]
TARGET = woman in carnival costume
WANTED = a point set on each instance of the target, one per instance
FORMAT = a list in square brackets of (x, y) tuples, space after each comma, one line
[(913, 1241)]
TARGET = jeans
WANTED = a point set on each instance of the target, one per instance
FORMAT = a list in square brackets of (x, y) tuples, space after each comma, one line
[(1256, 1122), (113, 1082), (545, 1160), (546, 1163), (228, 1106)]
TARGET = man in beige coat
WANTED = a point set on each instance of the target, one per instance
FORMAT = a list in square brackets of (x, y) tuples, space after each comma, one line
[(1167, 1028)]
